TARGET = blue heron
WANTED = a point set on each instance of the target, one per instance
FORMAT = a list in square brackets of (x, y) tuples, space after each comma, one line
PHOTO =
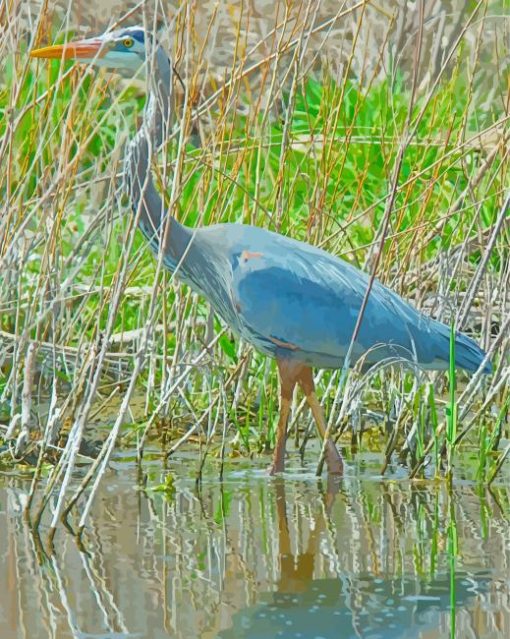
[(291, 300)]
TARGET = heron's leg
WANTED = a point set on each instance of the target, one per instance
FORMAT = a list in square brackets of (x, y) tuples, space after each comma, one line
[(333, 458), (289, 372)]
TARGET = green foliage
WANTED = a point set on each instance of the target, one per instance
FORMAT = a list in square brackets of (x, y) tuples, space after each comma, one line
[(451, 411), (167, 488)]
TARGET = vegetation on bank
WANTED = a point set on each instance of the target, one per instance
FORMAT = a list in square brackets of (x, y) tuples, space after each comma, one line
[(87, 315)]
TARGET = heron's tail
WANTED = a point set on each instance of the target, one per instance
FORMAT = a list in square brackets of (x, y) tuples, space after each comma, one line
[(468, 355)]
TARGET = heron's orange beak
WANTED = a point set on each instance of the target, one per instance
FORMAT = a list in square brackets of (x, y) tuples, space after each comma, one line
[(88, 49)]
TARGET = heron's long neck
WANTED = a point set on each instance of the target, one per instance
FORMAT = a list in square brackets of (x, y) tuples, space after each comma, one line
[(162, 231)]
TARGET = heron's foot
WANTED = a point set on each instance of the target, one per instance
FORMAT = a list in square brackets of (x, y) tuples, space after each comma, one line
[(277, 466), (275, 469), (334, 460)]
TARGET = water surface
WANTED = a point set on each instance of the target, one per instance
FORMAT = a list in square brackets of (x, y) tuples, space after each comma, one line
[(261, 558)]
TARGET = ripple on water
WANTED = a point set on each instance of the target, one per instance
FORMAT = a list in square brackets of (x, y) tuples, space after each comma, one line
[(253, 557)]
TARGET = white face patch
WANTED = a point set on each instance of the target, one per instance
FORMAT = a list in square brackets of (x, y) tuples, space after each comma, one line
[(117, 60)]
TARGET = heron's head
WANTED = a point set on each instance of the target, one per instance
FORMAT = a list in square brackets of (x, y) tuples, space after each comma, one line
[(121, 49)]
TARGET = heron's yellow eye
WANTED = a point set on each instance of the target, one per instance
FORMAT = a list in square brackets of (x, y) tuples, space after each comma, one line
[(128, 42)]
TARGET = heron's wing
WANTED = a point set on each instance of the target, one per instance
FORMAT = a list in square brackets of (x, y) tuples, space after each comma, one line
[(310, 300)]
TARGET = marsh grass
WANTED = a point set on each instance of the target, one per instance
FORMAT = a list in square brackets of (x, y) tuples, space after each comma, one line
[(451, 412), (395, 165)]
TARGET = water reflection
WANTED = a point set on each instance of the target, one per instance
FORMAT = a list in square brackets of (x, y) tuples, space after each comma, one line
[(258, 558), (387, 609)]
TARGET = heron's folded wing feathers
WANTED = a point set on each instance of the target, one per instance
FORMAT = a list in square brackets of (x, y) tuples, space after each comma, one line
[(313, 302)]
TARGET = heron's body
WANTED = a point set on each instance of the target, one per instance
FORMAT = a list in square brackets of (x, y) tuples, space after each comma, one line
[(289, 299)]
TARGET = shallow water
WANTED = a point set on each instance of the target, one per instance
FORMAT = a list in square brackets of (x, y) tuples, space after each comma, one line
[(261, 558)]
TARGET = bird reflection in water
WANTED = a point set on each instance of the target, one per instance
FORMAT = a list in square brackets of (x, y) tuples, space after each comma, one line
[(346, 606), (297, 571), (252, 558)]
